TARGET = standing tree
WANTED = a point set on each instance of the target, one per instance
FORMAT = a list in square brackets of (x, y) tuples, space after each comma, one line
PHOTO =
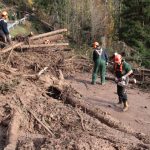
[(134, 29)]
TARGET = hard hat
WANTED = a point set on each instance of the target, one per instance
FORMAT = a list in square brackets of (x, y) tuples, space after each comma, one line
[(117, 58), (95, 44), (4, 13)]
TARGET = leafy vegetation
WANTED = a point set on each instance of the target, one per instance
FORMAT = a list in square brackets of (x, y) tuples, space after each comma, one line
[(88, 20), (22, 29), (134, 29)]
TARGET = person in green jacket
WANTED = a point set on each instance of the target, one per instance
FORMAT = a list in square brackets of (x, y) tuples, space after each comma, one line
[(100, 59), (122, 72)]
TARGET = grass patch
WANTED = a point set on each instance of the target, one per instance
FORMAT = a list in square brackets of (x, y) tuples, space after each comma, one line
[(22, 29), (19, 30)]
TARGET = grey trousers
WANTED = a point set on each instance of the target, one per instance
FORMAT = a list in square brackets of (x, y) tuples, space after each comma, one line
[(6, 38)]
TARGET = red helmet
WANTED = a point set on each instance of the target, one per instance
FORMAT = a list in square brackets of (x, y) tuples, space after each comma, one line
[(95, 44), (117, 58)]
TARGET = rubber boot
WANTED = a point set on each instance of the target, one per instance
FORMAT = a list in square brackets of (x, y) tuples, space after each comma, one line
[(126, 106), (93, 82), (119, 103)]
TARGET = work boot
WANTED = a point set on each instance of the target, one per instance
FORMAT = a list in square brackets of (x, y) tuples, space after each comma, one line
[(93, 82), (126, 106), (103, 83), (119, 103)]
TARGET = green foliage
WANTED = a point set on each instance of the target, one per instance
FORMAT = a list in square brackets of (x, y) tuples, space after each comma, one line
[(1, 6), (135, 29), (23, 29), (73, 15)]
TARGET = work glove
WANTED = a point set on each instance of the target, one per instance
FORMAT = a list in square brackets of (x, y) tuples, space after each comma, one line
[(116, 80), (134, 80), (123, 78), (122, 83)]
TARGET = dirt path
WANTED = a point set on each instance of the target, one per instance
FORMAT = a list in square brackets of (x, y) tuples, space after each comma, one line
[(138, 115)]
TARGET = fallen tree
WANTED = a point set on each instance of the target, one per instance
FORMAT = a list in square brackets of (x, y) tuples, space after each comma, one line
[(44, 45), (50, 39), (11, 47), (47, 34), (15, 45), (13, 131), (71, 96)]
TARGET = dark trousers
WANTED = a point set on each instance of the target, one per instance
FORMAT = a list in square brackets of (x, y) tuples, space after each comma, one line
[(5, 37), (121, 94)]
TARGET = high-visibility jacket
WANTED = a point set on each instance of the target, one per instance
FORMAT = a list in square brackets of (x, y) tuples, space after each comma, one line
[(121, 69)]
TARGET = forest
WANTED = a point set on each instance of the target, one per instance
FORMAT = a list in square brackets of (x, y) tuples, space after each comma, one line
[(54, 96), (107, 20)]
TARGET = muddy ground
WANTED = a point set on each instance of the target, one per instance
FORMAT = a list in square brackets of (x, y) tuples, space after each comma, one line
[(138, 115), (34, 116)]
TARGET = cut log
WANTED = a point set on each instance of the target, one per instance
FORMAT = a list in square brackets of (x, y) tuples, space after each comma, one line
[(32, 38), (48, 34), (96, 112), (141, 70), (44, 45), (139, 75), (50, 39), (11, 47), (47, 24), (13, 131)]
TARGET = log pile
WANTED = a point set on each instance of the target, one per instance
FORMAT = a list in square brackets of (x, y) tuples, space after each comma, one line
[(52, 38), (142, 74)]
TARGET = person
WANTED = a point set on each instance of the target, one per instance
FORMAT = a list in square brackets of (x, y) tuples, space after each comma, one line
[(122, 72), (100, 59), (4, 32)]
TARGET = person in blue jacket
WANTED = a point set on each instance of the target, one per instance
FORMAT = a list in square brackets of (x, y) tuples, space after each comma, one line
[(4, 32), (100, 59)]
